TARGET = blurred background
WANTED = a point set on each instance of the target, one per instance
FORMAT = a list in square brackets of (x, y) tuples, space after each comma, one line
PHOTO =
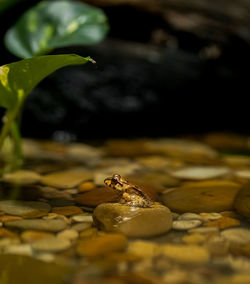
[(167, 67)]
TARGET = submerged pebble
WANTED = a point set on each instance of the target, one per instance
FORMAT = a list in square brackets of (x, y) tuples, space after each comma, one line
[(237, 235), (186, 224), (51, 244), (133, 221)]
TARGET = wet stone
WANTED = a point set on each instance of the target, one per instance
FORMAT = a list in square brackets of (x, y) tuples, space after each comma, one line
[(38, 224), (194, 239), (242, 201), (186, 224), (210, 216), (143, 249), (52, 244), (9, 218), (189, 216), (67, 179), (22, 177), (203, 198), (19, 249), (237, 236), (82, 226), (5, 233), (67, 210), (68, 234), (31, 236), (26, 209), (223, 223), (133, 221), (86, 186), (89, 233), (102, 245), (82, 218), (200, 173)]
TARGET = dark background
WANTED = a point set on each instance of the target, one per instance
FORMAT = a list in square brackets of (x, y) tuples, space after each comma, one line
[(151, 79)]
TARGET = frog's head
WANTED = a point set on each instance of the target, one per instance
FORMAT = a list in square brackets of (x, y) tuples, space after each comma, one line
[(115, 182)]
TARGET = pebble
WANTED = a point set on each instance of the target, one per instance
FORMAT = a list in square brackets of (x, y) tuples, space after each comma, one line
[(82, 218), (86, 186), (242, 201), (245, 174), (5, 242), (22, 177), (223, 223), (194, 239), (82, 226), (5, 233), (31, 236), (20, 249), (52, 244), (26, 209), (143, 249), (68, 234), (189, 254), (181, 225), (133, 221), (38, 224), (97, 196), (102, 245), (1, 224), (200, 172), (198, 199), (67, 179), (217, 246), (67, 210), (204, 230), (237, 236), (9, 218), (88, 233), (210, 216), (189, 216)]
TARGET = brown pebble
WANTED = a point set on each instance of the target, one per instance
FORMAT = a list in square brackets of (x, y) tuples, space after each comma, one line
[(102, 245), (67, 210), (31, 236), (89, 233), (9, 218), (5, 233), (86, 186), (223, 223)]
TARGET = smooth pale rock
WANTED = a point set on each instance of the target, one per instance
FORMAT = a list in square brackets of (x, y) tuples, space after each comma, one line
[(185, 253), (97, 196), (68, 234), (223, 223), (242, 174), (20, 249), (38, 224), (102, 245), (204, 230), (5, 242), (200, 172), (82, 218), (67, 210), (133, 221), (237, 236), (201, 198), (194, 239), (143, 249), (181, 225), (67, 179), (52, 244), (26, 209), (31, 236), (82, 226), (189, 216), (22, 177), (242, 201), (210, 216)]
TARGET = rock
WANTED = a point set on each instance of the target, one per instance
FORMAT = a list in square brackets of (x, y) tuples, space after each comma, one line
[(67, 179), (83, 153), (86, 186), (97, 196), (67, 210), (48, 192), (31, 236), (245, 174), (200, 172), (51, 244), (242, 201), (189, 216), (9, 218), (203, 198), (186, 224), (143, 249), (237, 236), (189, 254), (194, 239), (20, 249), (155, 162), (245, 250), (210, 216), (68, 234), (25, 209), (82, 218), (38, 224), (89, 233), (217, 246), (6, 242), (22, 177), (102, 245), (223, 223), (4, 233), (204, 230), (81, 226), (133, 221)]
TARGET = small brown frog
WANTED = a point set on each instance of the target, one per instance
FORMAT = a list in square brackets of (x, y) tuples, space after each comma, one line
[(130, 194)]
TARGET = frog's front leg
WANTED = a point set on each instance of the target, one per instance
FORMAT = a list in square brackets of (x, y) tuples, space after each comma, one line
[(126, 197)]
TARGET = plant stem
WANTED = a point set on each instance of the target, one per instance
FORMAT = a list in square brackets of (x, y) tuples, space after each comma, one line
[(18, 155)]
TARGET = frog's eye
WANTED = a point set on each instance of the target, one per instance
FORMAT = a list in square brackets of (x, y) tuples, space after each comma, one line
[(116, 177)]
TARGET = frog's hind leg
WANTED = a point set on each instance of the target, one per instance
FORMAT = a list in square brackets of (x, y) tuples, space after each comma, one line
[(126, 197)]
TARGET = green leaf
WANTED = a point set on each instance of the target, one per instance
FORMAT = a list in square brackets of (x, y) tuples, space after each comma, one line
[(52, 24), (19, 78)]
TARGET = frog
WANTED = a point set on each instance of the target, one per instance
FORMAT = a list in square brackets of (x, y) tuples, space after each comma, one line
[(129, 194)]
